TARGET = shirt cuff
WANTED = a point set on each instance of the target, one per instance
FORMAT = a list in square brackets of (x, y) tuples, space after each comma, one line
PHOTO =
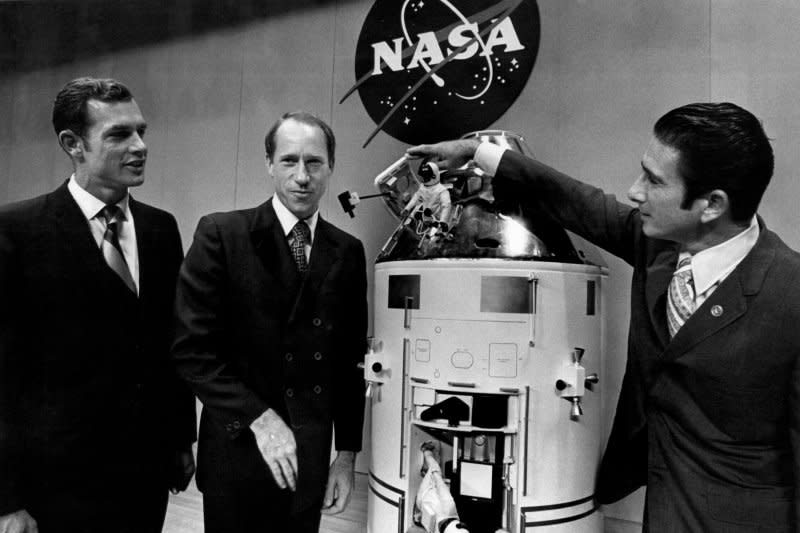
[(488, 156)]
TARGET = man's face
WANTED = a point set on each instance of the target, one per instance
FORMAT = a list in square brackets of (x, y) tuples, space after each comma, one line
[(113, 152), (658, 192), (300, 168)]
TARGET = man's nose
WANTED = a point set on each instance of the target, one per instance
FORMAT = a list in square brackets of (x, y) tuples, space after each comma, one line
[(636, 192), (301, 176), (138, 145)]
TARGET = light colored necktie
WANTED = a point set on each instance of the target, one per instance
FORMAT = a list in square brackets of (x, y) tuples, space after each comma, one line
[(302, 236), (680, 296), (112, 251)]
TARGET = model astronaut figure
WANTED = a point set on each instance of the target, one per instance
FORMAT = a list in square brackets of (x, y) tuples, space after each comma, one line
[(433, 198), (435, 509)]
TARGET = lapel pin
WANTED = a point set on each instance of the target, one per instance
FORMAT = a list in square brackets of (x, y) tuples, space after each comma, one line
[(716, 311)]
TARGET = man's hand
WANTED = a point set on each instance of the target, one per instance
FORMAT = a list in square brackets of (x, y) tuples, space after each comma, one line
[(182, 470), (278, 448), (340, 483), (448, 154), (18, 522)]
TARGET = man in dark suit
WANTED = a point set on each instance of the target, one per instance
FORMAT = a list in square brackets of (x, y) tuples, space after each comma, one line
[(95, 426), (271, 323), (709, 413)]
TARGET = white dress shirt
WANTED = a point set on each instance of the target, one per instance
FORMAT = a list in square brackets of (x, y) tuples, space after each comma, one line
[(288, 220), (92, 207), (711, 266)]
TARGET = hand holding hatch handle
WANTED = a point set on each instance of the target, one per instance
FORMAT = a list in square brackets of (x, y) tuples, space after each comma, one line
[(448, 154)]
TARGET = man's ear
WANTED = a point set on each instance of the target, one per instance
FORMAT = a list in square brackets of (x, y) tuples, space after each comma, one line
[(71, 143), (717, 205)]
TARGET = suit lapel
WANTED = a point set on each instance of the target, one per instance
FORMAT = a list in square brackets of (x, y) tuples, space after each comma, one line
[(73, 234), (272, 250), (728, 302), (703, 323), (146, 247), (659, 274)]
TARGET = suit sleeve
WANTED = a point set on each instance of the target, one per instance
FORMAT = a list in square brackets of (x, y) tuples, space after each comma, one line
[(579, 207), (349, 408), (200, 333), (12, 430)]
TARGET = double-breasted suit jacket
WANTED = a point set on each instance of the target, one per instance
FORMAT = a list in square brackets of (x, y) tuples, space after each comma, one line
[(89, 400), (252, 334), (709, 420)]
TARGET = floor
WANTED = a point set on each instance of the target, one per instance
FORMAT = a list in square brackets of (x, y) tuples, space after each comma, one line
[(185, 512)]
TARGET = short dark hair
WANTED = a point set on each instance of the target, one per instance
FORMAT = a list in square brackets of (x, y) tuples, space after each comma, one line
[(303, 117), (721, 146), (69, 108)]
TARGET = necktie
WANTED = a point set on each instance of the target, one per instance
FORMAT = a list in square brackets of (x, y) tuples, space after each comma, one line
[(112, 252), (680, 296), (302, 236)]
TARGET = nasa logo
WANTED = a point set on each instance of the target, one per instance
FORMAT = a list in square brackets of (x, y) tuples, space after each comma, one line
[(429, 70)]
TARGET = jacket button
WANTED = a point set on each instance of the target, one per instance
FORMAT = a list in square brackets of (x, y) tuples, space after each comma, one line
[(317, 356), (289, 392), (289, 356), (317, 322), (317, 389), (237, 425)]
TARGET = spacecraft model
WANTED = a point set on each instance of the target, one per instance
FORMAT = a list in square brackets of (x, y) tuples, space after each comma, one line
[(487, 342)]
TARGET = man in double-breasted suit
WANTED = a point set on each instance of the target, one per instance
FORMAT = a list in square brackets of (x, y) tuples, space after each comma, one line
[(271, 323), (709, 413), (95, 426)]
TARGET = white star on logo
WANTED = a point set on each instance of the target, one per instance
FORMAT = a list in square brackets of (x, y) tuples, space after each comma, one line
[(406, 121)]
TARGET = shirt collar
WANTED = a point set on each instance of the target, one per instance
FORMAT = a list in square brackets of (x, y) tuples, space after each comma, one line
[(288, 219), (91, 205), (714, 264)]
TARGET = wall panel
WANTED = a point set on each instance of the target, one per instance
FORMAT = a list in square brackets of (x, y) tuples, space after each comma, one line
[(202, 120), (31, 159), (756, 64)]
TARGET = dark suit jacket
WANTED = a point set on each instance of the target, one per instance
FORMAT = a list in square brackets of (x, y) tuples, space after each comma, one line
[(710, 420), (252, 335), (88, 398)]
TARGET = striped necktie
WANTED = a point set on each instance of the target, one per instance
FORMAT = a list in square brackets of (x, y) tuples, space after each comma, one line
[(112, 251), (680, 296), (301, 234)]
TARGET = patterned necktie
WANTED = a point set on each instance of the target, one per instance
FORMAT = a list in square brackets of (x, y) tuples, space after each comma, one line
[(680, 296), (112, 251), (302, 236)]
